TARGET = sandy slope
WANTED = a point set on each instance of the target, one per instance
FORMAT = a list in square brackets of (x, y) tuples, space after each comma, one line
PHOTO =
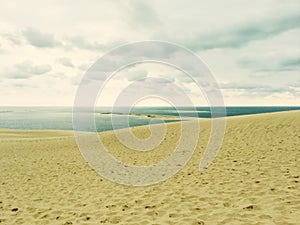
[(254, 179)]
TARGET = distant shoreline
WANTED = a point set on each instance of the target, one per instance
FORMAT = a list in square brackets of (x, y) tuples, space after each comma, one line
[(156, 116)]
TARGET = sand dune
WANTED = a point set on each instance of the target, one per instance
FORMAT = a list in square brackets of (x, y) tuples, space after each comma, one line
[(253, 180)]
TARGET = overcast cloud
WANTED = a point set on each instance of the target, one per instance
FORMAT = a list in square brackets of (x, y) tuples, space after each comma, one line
[(38, 39), (252, 47), (26, 70)]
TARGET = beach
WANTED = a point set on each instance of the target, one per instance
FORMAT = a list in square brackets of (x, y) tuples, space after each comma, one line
[(253, 180)]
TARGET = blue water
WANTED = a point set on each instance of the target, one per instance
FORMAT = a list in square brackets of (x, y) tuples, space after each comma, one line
[(60, 118)]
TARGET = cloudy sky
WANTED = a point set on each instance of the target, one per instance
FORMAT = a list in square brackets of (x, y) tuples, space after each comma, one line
[(251, 47)]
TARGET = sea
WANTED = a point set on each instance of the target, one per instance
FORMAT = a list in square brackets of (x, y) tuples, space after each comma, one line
[(60, 118)]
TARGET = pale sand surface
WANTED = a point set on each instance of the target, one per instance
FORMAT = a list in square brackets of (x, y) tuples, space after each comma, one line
[(253, 180)]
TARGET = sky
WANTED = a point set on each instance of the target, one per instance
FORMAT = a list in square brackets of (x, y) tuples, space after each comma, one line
[(251, 47)]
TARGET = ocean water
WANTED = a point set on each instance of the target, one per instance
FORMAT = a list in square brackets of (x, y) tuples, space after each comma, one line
[(60, 118)]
